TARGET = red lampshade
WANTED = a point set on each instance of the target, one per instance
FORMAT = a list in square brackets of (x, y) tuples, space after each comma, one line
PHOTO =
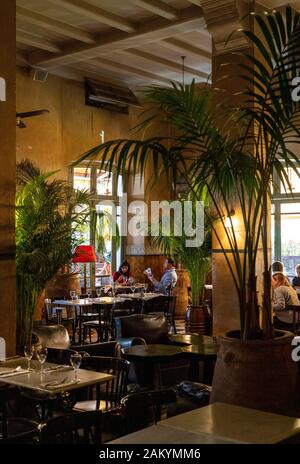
[(85, 254)]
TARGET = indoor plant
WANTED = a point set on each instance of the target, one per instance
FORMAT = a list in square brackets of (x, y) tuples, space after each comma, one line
[(197, 262), (236, 166), (48, 214)]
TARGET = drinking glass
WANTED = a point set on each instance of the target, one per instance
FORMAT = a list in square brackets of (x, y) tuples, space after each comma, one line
[(113, 290), (41, 354), (89, 293), (73, 295), (98, 292), (75, 361), (132, 286), (28, 352)]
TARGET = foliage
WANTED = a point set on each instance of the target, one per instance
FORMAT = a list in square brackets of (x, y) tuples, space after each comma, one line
[(196, 260), (234, 165), (48, 214)]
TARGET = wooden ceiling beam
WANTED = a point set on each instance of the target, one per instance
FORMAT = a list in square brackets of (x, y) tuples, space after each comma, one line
[(195, 2), (152, 30), (66, 30), (166, 63), (184, 47), (130, 70), (83, 8), (157, 7), (37, 42)]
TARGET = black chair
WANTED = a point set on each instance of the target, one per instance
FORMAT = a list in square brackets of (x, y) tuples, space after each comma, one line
[(166, 306), (60, 315), (12, 428), (75, 428), (102, 323), (142, 409), (105, 397)]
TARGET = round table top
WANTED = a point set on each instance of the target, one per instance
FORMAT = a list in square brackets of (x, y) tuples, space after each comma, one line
[(193, 339), (152, 351), (205, 350)]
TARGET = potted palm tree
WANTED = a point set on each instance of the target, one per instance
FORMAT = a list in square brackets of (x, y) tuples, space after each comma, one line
[(197, 261), (236, 165), (48, 214)]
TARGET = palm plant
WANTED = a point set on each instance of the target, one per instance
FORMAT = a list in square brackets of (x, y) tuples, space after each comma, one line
[(236, 165), (196, 260), (48, 215)]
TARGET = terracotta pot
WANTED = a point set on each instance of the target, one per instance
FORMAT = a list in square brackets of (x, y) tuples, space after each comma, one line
[(61, 285), (258, 374), (196, 318)]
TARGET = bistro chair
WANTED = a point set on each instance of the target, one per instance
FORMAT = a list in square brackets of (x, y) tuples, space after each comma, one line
[(105, 397), (12, 428), (60, 315), (142, 409), (75, 428)]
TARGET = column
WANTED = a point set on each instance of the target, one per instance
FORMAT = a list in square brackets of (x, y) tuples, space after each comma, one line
[(7, 173), (223, 18)]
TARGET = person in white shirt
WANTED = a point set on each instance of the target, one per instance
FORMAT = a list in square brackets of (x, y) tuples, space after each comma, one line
[(284, 295), (168, 280)]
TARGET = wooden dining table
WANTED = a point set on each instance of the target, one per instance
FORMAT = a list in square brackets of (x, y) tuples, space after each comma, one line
[(219, 423), (52, 379), (84, 303)]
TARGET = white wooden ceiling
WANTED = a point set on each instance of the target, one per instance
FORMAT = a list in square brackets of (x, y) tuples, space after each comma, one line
[(136, 42)]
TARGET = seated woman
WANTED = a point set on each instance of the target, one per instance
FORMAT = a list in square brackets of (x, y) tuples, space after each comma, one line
[(283, 296), (122, 276)]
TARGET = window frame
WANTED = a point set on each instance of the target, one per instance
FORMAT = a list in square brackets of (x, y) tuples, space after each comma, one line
[(279, 198), (97, 199)]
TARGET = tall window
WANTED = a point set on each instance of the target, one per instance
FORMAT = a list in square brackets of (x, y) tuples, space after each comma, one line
[(285, 222), (103, 186)]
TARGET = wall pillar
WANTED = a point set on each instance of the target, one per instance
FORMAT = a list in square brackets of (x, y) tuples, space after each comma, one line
[(223, 19), (8, 175)]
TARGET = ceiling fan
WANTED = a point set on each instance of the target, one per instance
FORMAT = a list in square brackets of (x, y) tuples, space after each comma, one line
[(28, 114)]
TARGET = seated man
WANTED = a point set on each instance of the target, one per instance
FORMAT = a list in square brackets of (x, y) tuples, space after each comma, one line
[(168, 280)]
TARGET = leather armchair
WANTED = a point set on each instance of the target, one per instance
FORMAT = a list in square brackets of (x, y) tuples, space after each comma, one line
[(150, 327), (52, 336)]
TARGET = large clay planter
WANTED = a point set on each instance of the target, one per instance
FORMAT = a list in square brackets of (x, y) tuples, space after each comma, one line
[(258, 374), (196, 319), (61, 285)]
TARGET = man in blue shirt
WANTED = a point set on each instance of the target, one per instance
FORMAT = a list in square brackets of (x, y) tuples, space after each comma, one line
[(168, 280)]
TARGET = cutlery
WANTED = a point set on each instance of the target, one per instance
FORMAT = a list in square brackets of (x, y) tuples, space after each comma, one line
[(10, 371), (55, 382)]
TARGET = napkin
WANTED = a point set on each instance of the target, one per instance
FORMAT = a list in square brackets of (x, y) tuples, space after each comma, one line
[(10, 372), (54, 386), (55, 368)]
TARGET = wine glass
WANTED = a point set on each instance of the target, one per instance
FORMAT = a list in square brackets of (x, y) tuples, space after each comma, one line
[(41, 354), (113, 290), (132, 286), (89, 293), (75, 361), (98, 292), (28, 352)]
